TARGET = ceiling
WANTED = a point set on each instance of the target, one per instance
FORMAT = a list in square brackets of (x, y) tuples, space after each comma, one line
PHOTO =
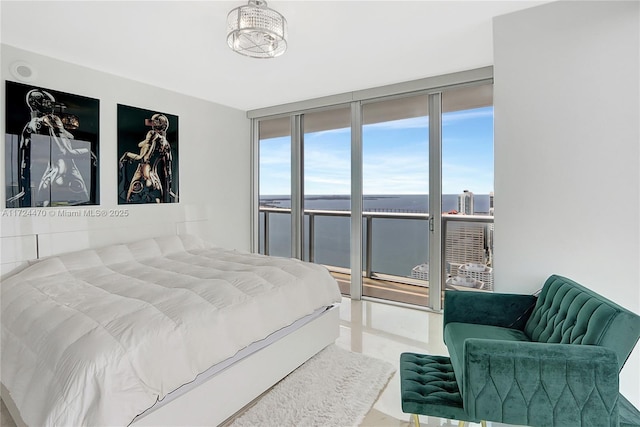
[(334, 46)]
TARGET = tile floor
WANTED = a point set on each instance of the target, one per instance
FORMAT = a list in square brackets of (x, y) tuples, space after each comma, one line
[(385, 331), (5, 418)]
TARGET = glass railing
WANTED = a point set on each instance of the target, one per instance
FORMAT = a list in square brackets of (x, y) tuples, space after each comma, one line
[(395, 244)]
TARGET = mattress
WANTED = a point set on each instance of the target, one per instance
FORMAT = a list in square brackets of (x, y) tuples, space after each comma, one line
[(97, 337)]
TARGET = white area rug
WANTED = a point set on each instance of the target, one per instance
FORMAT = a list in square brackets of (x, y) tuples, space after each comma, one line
[(335, 388)]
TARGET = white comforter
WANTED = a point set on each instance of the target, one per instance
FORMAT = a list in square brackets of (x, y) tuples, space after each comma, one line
[(98, 336)]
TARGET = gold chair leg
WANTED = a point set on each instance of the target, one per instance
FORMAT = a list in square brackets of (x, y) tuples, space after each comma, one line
[(416, 422), (483, 423)]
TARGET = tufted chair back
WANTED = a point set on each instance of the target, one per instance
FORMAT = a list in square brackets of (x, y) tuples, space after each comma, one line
[(569, 313)]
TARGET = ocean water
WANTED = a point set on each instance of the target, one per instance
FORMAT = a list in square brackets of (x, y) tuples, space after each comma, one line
[(379, 203), (397, 244)]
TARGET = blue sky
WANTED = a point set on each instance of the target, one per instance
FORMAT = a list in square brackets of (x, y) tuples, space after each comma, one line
[(395, 157)]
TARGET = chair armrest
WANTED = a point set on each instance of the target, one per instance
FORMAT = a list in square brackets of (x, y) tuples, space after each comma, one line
[(533, 383), (495, 309)]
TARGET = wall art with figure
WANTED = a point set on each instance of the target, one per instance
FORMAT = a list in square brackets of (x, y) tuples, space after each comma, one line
[(148, 153), (51, 148)]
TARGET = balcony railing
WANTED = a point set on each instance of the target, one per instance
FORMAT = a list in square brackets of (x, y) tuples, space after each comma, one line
[(391, 249)]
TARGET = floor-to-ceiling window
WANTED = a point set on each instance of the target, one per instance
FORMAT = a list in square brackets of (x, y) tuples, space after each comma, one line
[(395, 186), (326, 150), (467, 187), (274, 185), (409, 174)]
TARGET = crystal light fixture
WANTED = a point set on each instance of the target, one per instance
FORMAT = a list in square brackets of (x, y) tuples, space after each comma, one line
[(257, 31)]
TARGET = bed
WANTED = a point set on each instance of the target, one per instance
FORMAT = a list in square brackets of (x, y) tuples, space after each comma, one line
[(162, 331)]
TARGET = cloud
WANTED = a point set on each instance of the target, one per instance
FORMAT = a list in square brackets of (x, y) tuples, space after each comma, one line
[(275, 151), (395, 158)]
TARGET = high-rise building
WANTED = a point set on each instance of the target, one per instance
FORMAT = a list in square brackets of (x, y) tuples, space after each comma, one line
[(465, 242), (491, 203), (465, 203), (468, 243)]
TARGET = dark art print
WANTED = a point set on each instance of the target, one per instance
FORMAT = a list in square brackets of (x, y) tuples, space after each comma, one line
[(51, 148), (148, 156)]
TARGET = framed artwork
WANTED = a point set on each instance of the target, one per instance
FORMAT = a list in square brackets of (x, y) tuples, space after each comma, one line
[(51, 148), (148, 156)]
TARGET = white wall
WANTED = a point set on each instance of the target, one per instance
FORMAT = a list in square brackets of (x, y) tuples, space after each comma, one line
[(567, 157), (214, 167)]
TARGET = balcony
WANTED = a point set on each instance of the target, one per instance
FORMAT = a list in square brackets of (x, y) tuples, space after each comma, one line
[(395, 249)]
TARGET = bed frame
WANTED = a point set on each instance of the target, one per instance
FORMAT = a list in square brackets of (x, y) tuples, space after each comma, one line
[(226, 393)]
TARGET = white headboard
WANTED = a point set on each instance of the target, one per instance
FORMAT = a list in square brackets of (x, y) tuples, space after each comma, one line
[(17, 251)]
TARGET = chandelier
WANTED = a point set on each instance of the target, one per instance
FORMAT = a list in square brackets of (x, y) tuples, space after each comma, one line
[(257, 31)]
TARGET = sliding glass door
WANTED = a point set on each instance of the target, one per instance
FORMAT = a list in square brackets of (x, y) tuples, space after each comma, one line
[(467, 187), (274, 215), (326, 143), (395, 150), (393, 194)]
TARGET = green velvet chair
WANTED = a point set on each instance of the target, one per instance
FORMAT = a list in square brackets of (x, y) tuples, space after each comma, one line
[(550, 360)]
